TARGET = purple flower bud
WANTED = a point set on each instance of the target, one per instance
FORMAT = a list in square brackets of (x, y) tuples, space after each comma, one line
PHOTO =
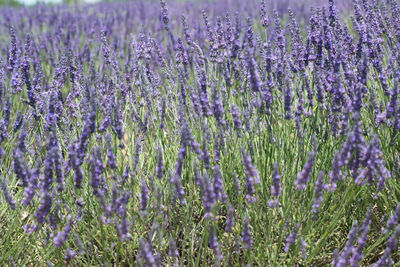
[(88, 129), (7, 194), (179, 163), (212, 239), (70, 254), (394, 219), (230, 220), (106, 47), (205, 157), (218, 184), (111, 161), (291, 238), (144, 195), (74, 163), (357, 253), (204, 101), (160, 164), (45, 206), (255, 80), (146, 253), (20, 167), (303, 248), (246, 234), (275, 188), (318, 196), (176, 181), (29, 192), (105, 207), (251, 176), (12, 53), (386, 258), (343, 259), (218, 109), (305, 175), (96, 167), (264, 17), (207, 195), (164, 13), (335, 173), (288, 98), (236, 119), (62, 236)]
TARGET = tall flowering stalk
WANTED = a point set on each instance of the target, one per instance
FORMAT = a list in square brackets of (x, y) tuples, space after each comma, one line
[(275, 187), (251, 177), (304, 176)]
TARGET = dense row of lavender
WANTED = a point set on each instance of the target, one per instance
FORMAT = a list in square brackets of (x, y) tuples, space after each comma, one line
[(167, 133)]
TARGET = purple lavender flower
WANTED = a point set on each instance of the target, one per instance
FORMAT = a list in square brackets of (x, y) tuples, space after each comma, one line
[(246, 234), (12, 54), (212, 239), (144, 195), (291, 238), (96, 167), (7, 195), (107, 209), (160, 164), (164, 13), (357, 253), (88, 129), (21, 169), (251, 176), (29, 192), (218, 184), (106, 47), (275, 188), (236, 119), (394, 219), (230, 220), (255, 80), (70, 254), (218, 109), (122, 226), (318, 196), (303, 248), (46, 202), (305, 175), (343, 258), (204, 101), (176, 181), (207, 195), (263, 13), (146, 252), (335, 173), (185, 141), (63, 235), (74, 163), (374, 166), (205, 157), (111, 161), (386, 258)]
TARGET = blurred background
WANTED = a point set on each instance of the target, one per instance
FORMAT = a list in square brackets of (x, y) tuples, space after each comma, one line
[(279, 2), (32, 2)]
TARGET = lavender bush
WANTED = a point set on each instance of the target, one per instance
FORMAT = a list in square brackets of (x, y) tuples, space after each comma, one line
[(182, 133)]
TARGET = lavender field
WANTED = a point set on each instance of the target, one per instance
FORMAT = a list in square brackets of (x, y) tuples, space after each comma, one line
[(200, 133)]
